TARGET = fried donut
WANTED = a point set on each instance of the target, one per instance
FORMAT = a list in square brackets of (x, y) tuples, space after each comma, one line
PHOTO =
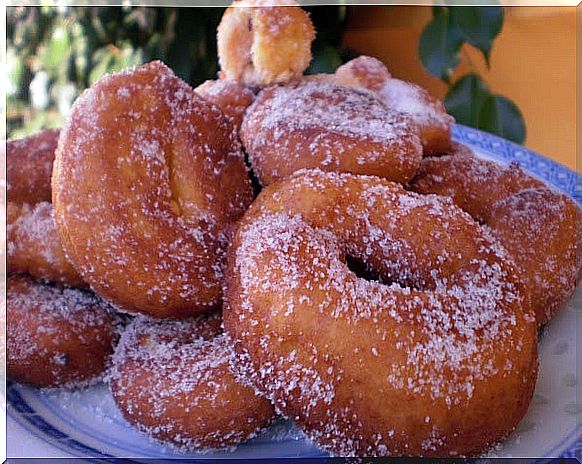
[(539, 227), (148, 179), (34, 247), (57, 337), (437, 357), (230, 96), (427, 113), (29, 165), (333, 128), (172, 380), (263, 42)]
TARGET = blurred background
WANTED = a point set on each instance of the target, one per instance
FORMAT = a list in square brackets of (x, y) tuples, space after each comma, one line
[(507, 70)]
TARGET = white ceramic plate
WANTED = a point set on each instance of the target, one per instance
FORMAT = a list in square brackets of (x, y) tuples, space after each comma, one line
[(87, 424)]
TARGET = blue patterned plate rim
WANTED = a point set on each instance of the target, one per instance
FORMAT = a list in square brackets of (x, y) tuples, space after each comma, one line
[(550, 171)]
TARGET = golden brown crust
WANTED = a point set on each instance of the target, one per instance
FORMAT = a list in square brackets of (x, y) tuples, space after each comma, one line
[(56, 337), (334, 128), (542, 230), (230, 96), (172, 380), (539, 227), (264, 42), (33, 245), (363, 72), (426, 112), (148, 178), (29, 165), (441, 360), (473, 184)]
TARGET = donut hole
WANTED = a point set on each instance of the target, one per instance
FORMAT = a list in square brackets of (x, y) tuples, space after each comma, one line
[(365, 271)]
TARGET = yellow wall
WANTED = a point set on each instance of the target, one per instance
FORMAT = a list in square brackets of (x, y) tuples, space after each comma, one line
[(533, 62)]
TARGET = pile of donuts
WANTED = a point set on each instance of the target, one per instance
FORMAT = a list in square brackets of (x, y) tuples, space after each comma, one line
[(273, 244)]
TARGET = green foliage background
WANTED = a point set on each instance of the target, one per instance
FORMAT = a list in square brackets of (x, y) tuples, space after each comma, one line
[(54, 53), (469, 99)]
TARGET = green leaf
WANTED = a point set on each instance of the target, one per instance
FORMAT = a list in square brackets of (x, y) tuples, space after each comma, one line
[(103, 59), (58, 51), (439, 45), (128, 57), (112, 59), (80, 50), (465, 99), (472, 104), (479, 25), (502, 117)]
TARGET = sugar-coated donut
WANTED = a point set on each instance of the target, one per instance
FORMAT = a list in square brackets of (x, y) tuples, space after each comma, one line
[(427, 113), (334, 128), (34, 247), (57, 337), (29, 165), (148, 179), (439, 360), (230, 96), (173, 381), (539, 227), (263, 42)]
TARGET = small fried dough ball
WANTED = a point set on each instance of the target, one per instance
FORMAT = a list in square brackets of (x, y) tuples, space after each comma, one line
[(263, 42)]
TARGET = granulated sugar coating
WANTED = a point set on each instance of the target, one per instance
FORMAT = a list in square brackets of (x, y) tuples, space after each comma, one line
[(29, 166), (437, 358), (264, 42), (230, 96), (57, 337), (148, 179), (172, 380), (321, 125), (426, 113), (34, 247), (539, 227)]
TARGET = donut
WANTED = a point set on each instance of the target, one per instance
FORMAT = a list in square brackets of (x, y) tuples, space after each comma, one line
[(172, 380), (264, 42), (57, 337), (538, 226), (148, 180), (321, 125), (34, 247), (430, 352), (230, 96), (428, 114), (29, 164)]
